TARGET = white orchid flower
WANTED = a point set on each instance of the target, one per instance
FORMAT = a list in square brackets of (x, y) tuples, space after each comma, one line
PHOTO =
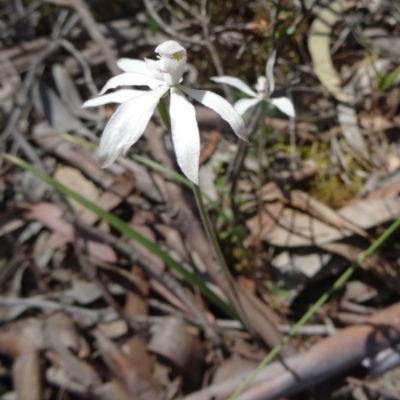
[(265, 87), (163, 76)]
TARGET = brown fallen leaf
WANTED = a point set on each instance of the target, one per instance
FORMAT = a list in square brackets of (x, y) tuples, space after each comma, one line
[(326, 359), (385, 191), (375, 123), (135, 381), (111, 390), (305, 202), (136, 349), (319, 47), (183, 350), (75, 180), (301, 201), (136, 303), (78, 371), (27, 375), (266, 220), (20, 336), (233, 366), (52, 217), (51, 140), (211, 144), (296, 229), (378, 265), (60, 336)]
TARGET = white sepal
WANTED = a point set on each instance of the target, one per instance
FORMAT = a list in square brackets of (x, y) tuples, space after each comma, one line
[(220, 106), (269, 72), (120, 96), (130, 65), (242, 105), (284, 104), (126, 125), (155, 68), (235, 82), (185, 135), (130, 79)]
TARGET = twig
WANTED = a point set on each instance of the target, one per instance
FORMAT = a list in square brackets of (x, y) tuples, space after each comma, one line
[(152, 11), (93, 30), (36, 302), (328, 358)]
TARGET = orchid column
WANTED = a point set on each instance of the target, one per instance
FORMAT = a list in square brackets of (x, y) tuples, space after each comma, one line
[(126, 126)]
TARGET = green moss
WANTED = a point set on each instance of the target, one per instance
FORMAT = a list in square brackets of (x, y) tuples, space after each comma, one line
[(327, 185)]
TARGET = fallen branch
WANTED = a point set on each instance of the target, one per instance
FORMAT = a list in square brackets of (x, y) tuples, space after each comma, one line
[(328, 358)]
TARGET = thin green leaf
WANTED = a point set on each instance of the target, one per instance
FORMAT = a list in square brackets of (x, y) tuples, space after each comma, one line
[(319, 303), (159, 168), (388, 81), (124, 228)]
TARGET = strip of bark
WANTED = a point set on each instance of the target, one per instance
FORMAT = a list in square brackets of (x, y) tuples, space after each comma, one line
[(326, 359)]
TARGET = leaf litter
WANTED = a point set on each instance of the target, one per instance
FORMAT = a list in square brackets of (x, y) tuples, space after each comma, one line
[(86, 312)]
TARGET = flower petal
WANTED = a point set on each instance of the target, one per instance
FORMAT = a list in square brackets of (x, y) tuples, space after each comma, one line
[(130, 65), (120, 96), (235, 82), (284, 104), (169, 47), (220, 106), (242, 105), (173, 58), (185, 134), (127, 125), (269, 72), (155, 68), (130, 79)]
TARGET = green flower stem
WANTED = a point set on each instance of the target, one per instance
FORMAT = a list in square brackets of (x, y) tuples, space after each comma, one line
[(162, 109), (212, 237), (319, 303)]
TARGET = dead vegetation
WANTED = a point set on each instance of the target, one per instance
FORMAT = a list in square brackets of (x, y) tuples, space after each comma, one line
[(88, 311)]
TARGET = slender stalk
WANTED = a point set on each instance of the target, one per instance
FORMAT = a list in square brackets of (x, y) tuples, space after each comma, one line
[(262, 137), (212, 237), (319, 303)]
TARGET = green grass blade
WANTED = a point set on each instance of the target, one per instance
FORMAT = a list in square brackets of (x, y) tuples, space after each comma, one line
[(156, 167), (124, 228), (388, 81), (319, 303)]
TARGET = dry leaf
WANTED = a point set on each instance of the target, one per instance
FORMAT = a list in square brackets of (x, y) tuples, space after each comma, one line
[(140, 385), (182, 349), (319, 47), (27, 377), (296, 229), (76, 181)]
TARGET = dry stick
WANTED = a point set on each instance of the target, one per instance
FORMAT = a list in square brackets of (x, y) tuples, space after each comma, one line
[(328, 358), (29, 80), (94, 31), (235, 166), (152, 11), (212, 50)]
